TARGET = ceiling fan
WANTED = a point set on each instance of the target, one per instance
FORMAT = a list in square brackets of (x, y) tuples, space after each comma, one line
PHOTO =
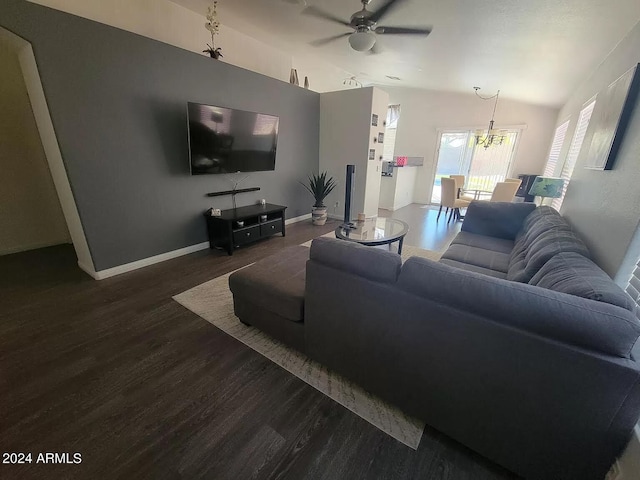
[(365, 24)]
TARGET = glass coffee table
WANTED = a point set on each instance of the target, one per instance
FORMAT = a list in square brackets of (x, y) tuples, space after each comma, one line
[(375, 231)]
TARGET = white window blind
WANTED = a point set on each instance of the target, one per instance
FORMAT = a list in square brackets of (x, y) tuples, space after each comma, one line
[(574, 151), (556, 148), (633, 288)]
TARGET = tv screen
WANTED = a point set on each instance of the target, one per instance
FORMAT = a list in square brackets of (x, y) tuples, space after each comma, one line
[(225, 140)]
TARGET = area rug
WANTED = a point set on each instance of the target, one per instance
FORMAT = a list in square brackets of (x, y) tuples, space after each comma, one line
[(213, 302)]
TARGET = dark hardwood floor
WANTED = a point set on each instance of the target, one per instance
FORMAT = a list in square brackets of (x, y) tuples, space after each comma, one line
[(143, 388)]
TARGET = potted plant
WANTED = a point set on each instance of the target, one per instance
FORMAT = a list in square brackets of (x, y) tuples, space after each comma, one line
[(320, 187), (213, 25)]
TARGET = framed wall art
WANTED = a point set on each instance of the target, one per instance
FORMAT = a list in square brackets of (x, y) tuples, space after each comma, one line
[(610, 119)]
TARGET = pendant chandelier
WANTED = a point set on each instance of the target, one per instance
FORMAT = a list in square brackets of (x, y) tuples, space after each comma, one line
[(491, 136)]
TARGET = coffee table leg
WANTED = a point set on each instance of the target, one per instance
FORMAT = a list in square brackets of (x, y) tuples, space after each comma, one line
[(400, 246)]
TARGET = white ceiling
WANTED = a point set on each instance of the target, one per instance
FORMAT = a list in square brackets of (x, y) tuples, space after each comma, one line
[(536, 51)]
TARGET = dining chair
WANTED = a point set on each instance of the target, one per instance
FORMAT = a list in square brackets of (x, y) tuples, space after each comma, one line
[(460, 180), (448, 199), (505, 191)]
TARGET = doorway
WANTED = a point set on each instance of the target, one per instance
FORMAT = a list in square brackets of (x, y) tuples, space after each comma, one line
[(458, 154), (49, 143)]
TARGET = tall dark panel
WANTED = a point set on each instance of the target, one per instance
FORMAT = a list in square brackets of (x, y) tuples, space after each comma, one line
[(523, 190), (351, 178)]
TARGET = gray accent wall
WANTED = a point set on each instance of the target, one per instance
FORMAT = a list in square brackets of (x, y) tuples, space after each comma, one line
[(118, 105)]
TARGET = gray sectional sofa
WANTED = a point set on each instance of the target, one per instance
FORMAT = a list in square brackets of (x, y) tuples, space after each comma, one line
[(515, 343)]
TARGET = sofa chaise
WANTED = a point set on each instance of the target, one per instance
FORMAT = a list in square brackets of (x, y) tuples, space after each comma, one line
[(515, 343)]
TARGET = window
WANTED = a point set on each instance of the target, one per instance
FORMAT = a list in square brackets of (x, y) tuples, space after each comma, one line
[(574, 151), (389, 145), (633, 288), (483, 168), (556, 148)]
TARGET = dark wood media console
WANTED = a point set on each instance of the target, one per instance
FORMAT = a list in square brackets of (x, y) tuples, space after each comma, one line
[(259, 221)]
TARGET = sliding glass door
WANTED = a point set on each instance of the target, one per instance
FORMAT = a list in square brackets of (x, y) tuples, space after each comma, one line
[(453, 159), (458, 154)]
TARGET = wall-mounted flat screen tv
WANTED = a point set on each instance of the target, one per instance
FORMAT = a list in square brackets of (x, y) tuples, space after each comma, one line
[(225, 140)]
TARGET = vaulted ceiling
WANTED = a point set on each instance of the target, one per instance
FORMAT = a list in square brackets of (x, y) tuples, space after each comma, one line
[(536, 51)]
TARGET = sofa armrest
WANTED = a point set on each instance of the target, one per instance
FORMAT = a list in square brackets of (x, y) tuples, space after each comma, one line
[(496, 219), (566, 318)]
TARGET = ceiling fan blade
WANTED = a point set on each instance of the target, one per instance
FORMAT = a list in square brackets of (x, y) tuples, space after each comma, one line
[(316, 12), (377, 15), (403, 31), (324, 41)]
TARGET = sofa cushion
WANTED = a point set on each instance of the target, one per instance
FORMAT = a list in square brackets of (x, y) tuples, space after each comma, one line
[(561, 239), (482, 241), (567, 318), (473, 268), (372, 263), (275, 283), (550, 245), (543, 211), (517, 266), (496, 219), (478, 256), (571, 273), (545, 225), (524, 266), (542, 227)]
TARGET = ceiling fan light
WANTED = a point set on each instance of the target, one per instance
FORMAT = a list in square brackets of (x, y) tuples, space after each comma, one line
[(362, 41)]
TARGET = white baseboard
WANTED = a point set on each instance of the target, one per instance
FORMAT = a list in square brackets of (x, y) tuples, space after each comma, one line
[(86, 269), (298, 219), (145, 262)]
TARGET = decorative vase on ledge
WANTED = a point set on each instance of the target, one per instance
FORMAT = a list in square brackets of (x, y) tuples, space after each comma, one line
[(293, 77)]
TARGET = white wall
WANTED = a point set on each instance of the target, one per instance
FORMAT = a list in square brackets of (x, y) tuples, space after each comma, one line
[(405, 186), (30, 213), (170, 23), (345, 138), (423, 112), (387, 192), (603, 205), (379, 106), (398, 191)]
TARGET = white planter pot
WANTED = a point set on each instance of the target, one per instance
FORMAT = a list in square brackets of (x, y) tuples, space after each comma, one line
[(319, 215)]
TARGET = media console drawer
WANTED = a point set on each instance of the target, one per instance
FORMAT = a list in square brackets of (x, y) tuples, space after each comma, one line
[(246, 235), (269, 228)]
